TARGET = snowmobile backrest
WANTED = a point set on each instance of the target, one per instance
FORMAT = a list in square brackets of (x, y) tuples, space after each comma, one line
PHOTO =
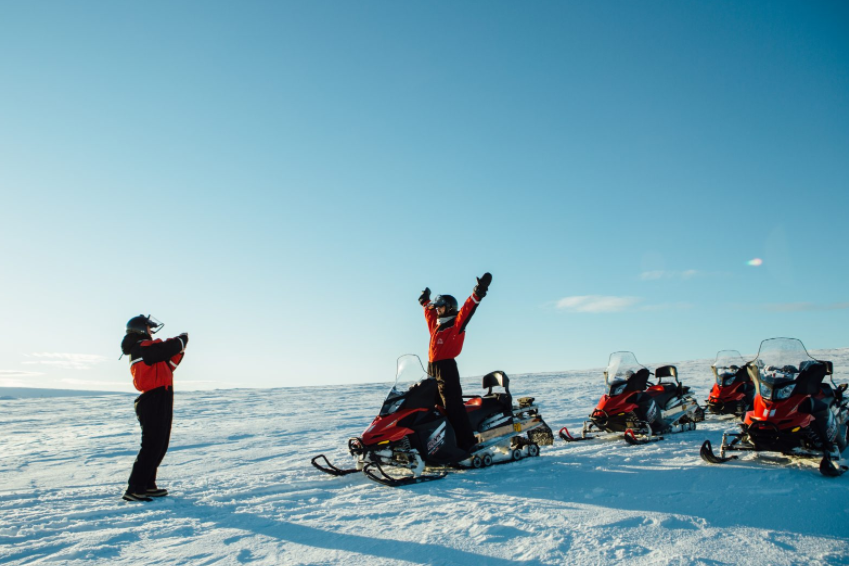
[(639, 380), (666, 371), (496, 379), (829, 367), (811, 374)]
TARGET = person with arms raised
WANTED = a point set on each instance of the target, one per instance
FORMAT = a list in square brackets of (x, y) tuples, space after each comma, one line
[(447, 326)]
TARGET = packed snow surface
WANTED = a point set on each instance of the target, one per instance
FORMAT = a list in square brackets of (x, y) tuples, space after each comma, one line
[(243, 491)]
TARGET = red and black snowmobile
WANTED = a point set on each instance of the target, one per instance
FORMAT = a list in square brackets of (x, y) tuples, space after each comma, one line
[(795, 412), (734, 391), (413, 435), (640, 409)]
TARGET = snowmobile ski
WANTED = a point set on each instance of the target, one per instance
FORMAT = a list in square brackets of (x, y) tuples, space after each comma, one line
[(375, 472), (567, 436), (634, 440), (708, 456), (328, 468), (831, 469)]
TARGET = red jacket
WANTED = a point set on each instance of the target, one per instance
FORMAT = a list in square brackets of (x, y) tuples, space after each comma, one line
[(446, 339), (152, 362)]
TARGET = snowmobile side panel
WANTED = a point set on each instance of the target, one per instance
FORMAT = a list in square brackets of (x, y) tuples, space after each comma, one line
[(385, 428)]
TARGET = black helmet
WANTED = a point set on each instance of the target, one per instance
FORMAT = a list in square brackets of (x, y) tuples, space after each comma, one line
[(447, 301), (139, 324)]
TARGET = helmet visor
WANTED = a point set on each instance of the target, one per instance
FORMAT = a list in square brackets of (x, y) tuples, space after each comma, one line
[(154, 324)]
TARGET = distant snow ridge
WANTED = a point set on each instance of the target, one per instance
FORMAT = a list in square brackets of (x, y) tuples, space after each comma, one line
[(7, 393), (242, 490)]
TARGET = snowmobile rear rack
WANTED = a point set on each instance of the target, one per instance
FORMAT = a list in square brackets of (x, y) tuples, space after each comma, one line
[(328, 468), (374, 472)]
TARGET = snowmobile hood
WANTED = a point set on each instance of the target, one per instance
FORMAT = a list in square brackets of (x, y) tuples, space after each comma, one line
[(131, 340)]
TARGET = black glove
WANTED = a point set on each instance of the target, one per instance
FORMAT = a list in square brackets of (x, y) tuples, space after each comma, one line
[(483, 285), (425, 297), (185, 338)]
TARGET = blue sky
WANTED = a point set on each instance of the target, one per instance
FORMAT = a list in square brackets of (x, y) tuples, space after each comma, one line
[(281, 179)]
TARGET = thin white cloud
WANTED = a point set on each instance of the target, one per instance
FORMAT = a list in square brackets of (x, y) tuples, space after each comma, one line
[(17, 378), (597, 303), (800, 307), (64, 360), (18, 373)]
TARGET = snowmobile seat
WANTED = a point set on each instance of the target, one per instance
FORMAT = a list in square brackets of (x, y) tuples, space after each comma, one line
[(498, 379), (663, 393)]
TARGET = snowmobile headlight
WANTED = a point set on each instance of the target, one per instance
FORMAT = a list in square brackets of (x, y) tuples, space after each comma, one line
[(766, 391), (784, 392), (618, 389)]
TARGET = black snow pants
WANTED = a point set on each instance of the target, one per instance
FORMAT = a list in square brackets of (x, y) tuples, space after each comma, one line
[(448, 381), (820, 411), (154, 409)]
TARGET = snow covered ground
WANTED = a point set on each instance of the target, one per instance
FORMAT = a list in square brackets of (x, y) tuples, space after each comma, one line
[(242, 489)]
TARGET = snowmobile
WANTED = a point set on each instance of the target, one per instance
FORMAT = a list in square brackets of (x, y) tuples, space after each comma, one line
[(795, 412), (734, 391), (411, 433), (638, 408)]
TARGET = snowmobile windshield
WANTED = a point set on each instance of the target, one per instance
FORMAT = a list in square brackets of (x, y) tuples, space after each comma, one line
[(620, 367), (780, 359), (778, 362), (410, 371), (726, 366)]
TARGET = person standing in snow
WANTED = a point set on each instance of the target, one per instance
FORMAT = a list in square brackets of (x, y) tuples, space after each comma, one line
[(447, 328), (152, 364)]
